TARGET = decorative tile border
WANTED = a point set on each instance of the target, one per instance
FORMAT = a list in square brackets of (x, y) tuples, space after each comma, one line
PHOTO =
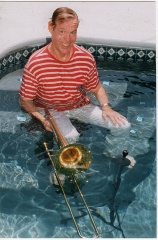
[(109, 53), (16, 60)]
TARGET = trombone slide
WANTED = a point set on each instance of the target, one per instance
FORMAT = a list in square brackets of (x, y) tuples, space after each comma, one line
[(70, 158)]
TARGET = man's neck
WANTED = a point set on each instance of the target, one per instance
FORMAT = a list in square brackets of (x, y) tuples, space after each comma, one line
[(58, 55)]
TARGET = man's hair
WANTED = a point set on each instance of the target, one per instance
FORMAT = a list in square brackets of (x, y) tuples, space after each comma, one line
[(63, 14)]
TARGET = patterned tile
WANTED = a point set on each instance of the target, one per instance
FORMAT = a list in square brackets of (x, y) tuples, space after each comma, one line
[(110, 54), (131, 55), (140, 55), (92, 50), (150, 56), (101, 50), (121, 54)]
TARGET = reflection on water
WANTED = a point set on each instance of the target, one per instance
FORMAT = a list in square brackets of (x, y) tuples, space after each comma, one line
[(119, 198)]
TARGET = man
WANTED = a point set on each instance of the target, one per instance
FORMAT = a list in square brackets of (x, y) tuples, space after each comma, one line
[(57, 77)]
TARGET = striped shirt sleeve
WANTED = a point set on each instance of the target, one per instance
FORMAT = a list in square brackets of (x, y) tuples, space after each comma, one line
[(93, 79), (29, 84)]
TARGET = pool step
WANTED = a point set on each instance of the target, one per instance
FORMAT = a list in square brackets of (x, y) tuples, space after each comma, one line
[(12, 81)]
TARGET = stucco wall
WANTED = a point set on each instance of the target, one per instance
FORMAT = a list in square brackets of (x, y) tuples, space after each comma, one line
[(117, 23)]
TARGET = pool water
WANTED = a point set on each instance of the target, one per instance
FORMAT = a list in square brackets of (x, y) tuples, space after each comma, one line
[(122, 200)]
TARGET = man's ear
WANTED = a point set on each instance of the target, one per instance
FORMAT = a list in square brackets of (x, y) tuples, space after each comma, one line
[(50, 26)]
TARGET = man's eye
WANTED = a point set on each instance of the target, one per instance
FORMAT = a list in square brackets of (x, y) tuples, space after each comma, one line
[(73, 33)]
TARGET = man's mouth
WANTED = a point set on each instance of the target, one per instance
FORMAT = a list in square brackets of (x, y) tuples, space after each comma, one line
[(66, 45)]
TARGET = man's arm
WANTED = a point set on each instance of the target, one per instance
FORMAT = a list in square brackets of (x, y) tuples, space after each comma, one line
[(28, 105), (107, 111)]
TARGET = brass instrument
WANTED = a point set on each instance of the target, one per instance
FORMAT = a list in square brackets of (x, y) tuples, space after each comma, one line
[(70, 159)]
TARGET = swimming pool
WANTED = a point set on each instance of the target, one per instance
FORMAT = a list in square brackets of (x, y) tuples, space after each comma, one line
[(122, 201)]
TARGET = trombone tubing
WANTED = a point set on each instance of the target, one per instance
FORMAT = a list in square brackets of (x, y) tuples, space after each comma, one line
[(60, 137), (88, 210)]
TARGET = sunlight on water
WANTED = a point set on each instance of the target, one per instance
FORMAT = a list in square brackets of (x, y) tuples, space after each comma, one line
[(14, 177)]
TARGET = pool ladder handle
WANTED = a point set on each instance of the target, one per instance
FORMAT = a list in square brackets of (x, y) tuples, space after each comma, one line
[(66, 200)]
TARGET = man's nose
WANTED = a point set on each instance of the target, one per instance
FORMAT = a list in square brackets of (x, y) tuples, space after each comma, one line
[(67, 37)]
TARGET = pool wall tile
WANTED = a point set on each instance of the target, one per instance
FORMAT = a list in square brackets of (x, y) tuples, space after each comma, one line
[(17, 59)]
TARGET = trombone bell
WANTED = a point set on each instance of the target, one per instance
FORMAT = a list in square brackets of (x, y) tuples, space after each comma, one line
[(72, 158)]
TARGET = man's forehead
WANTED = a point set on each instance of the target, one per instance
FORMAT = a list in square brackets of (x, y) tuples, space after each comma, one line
[(68, 22)]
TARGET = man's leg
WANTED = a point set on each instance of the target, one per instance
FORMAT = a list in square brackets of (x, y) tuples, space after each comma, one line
[(93, 114), (64, 124)]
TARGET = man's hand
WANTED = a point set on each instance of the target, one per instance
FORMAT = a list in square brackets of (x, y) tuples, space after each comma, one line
[(47, 125), (115, 117), (107, 111)]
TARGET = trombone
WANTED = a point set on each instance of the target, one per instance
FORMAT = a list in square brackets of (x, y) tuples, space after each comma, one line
[(69, 159)]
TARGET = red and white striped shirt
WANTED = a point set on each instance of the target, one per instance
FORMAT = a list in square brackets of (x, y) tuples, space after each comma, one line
[(59, 85)]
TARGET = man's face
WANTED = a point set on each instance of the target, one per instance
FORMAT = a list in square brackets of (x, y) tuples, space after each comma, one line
[(64, 35)]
